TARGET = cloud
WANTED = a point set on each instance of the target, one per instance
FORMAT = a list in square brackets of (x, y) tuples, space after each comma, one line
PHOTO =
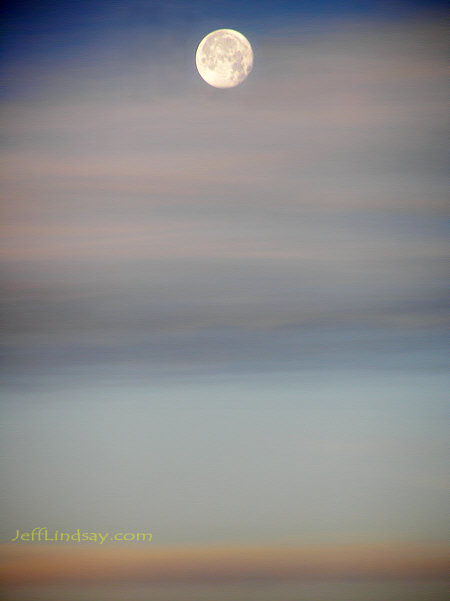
[(149, 216), (45, 565)]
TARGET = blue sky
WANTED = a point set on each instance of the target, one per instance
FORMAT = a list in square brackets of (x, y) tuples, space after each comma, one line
[(225, 310), (67, 25)]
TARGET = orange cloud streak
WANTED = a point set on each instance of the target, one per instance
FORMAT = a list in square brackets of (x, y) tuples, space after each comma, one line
[(37, 564)]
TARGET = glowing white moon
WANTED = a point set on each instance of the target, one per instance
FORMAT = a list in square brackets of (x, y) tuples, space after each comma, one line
[(224, 58)]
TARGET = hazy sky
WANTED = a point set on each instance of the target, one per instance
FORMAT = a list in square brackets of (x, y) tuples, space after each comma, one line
[(225, 310)]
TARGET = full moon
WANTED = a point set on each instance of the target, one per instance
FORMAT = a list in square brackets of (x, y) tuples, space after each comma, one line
[(224, 58)]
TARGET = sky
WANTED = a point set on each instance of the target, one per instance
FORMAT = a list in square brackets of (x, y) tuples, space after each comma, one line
[(225, 310)]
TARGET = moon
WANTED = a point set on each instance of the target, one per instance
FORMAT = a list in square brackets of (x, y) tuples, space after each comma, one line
[(224, 58)]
